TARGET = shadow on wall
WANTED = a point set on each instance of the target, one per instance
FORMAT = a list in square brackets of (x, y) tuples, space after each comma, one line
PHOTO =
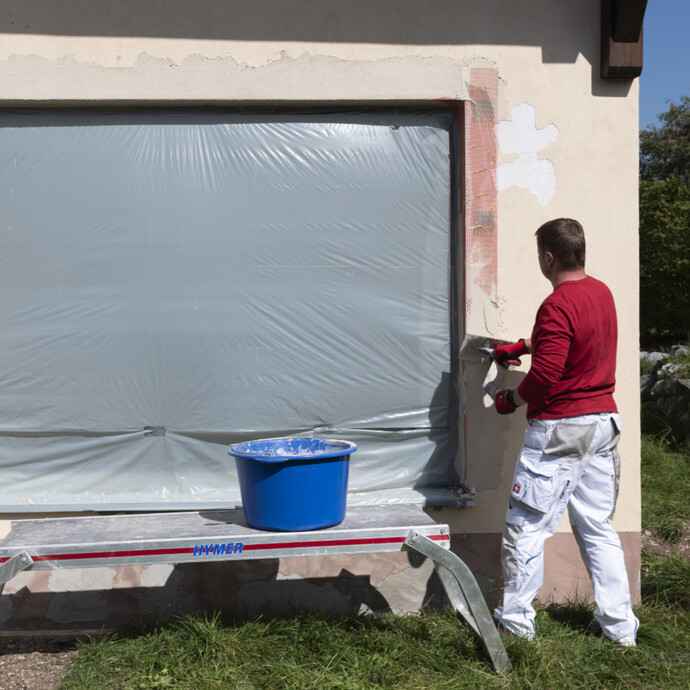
[(493, 441), (439, 471), (404, 22)]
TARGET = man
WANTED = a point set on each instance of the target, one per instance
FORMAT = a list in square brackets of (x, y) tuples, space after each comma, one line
[(569, 457)]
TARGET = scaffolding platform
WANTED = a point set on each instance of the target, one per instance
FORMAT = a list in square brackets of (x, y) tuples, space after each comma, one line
[(219, 535)]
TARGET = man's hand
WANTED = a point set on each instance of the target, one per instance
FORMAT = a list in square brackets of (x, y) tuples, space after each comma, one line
[(504, 402), (509, 355)]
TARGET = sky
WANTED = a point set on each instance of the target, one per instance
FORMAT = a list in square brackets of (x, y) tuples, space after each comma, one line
[(666, 68)]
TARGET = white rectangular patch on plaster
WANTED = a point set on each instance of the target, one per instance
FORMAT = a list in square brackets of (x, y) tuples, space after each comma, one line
[(520, 135)]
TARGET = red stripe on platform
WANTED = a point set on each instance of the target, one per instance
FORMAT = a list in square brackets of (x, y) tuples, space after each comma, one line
[(333, 542), (272, 546), (112, 554)]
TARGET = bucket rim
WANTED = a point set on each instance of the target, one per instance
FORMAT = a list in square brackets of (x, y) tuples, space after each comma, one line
[(346, 448)]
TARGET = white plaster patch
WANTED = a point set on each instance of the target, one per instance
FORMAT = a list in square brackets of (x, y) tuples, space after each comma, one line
[(520, 135), (88, 579), (155, 575)]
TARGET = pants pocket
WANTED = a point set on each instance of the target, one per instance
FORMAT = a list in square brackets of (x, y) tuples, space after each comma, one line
[(534, 484), (571, 440)]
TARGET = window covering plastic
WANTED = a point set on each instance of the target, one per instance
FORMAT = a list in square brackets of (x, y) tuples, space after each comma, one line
[(176, 281)]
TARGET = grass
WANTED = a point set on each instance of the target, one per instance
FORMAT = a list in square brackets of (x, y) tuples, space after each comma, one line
[(383, 651), (427, 651), (665, 487), (666, 580)]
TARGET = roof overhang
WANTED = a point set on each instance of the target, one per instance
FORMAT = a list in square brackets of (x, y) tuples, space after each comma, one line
[(621, 38)]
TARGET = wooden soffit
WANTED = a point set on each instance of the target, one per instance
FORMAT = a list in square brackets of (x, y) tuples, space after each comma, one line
[(621, 38)]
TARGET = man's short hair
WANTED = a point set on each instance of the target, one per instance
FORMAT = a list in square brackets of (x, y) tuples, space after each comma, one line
[(565, 239)]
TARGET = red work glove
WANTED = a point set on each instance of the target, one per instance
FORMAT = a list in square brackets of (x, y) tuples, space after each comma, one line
[(509, 355), (504, 402)]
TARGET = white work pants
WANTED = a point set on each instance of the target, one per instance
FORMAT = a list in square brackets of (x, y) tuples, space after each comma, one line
[(569, 462)]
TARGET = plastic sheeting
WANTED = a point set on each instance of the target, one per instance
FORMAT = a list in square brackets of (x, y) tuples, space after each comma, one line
[(173, 282)]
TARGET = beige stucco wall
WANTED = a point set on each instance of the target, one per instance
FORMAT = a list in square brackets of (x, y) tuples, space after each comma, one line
[(546, 54)]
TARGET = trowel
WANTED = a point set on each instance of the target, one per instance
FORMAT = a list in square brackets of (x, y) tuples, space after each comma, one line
[(478, 348)]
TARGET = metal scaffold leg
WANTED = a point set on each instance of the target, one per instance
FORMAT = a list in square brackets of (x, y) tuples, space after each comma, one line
[(464, 594), (20, 561)]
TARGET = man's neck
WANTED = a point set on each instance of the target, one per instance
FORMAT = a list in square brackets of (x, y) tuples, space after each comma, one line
[(564, 276)]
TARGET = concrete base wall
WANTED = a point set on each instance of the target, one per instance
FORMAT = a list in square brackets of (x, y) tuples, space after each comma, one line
[(565, 576), (402, 583)]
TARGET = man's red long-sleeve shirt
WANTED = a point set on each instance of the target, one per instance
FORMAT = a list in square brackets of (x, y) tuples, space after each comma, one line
[(574, 344)]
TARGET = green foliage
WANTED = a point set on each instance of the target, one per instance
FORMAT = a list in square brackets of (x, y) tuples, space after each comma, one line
[(665, 225), (679, 366), (683, 365), (665, 150), (665, 258), (647, 367)]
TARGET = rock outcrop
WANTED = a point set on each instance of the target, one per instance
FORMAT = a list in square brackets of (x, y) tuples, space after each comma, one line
[(665, 393)]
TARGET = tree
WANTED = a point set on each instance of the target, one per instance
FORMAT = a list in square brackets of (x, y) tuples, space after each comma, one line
[(665, 258), (665, 226), (665, 150)]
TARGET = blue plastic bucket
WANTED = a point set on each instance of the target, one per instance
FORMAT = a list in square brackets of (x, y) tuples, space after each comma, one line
[(293, 484)]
